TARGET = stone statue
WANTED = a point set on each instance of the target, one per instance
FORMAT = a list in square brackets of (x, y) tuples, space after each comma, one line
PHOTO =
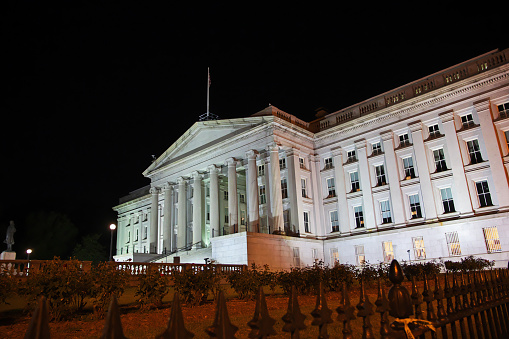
[(9, 238)]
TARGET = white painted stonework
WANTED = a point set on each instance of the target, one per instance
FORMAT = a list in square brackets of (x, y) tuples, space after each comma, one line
[(419, 172)]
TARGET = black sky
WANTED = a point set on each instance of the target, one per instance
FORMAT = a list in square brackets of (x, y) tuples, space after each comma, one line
[(92, 90)]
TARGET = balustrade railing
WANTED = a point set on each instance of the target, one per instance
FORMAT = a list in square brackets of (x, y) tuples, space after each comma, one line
[(462, 305)]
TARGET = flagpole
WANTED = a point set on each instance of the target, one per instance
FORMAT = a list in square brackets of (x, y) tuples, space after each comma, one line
[(208, 88)]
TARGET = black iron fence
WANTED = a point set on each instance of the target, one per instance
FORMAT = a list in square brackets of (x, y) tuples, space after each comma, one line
[(461, 305)]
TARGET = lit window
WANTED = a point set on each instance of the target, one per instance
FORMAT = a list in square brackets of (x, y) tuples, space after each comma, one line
[(439, 157), (359, 216), (453, 243), (467, 121), (354, 180), (262, 196), (388, 251), (284, 188), (306, 221), (474, 151), (419, 251), (296, 257), (492, 240), (359, 253), (447, 200), (385, 209), (408, 165), (404, 140), (328, 163), (415, 206), (483, 193), (331, 188), (380, 175), (334, 255), (334, 221)]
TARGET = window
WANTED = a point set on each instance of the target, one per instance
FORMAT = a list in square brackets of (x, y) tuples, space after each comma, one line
[(404, 140), (376, 148), (447, 201), (314, 254), (354, 180), (388, 251), (225, 195), (226, 219), (359, 253), (284, 188), (415, 206), (439, 157), (359, 216), (242, 217), (467, 121), (419, 251), (296, 257), (453, 243), (128, 237), (503, 110), (303, 185), (334, 221), (385, 209), (282, 163), (492, 240), (328, 163), (474, 151), (242, 198), (261, 170), (380, 175), (506, 133), (137, 233), (301, 163), (261, 190), (306, 221), (331, 188), (351, 156), (483, 193), (408, 165), (434, 131), (334, 256)]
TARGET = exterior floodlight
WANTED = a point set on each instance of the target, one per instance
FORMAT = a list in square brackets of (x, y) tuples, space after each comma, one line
[(112, 228), (28, 253)]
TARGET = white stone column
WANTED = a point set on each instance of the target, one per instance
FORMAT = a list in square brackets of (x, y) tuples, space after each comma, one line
[(489, 135), (276, 199), (233, 205), (214, 200), (182, 213), (294, 192), (398, 209), (252, 192), (339, 173), (198, 224), (462, 200), (430, 211), (154, 217), (168, 232), (367, 192)]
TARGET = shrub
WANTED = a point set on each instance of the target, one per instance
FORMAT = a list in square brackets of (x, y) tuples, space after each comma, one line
[(370, 273), (63, 283), (246, 283), (468, 264), (194, 287), (151, 289), (338, 274), (107, 281), (418, 270), (8, 288)]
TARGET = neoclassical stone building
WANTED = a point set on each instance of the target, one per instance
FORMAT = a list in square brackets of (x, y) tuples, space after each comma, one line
[(419, 172)]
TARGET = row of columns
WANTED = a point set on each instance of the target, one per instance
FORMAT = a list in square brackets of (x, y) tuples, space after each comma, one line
[(463, 205), (200, 234)]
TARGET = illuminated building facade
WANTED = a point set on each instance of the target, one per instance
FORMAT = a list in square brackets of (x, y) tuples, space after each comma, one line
[(418, 172)]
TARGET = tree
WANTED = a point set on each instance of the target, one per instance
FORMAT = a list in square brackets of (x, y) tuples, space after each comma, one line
[(50, 234), (90, 249)]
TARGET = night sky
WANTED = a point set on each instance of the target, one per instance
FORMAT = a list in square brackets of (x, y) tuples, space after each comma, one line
[(91, 91)]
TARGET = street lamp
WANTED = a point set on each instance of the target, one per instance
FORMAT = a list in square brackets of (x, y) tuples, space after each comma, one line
[(28, 254), (112, 228)]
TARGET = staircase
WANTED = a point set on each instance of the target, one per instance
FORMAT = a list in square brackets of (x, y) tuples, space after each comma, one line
[(187, 256)]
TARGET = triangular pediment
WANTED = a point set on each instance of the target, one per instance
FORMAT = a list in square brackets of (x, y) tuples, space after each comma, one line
[(201, 135)]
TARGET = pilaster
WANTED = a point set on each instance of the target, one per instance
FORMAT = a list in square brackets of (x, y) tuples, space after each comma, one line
[(214, 200), (233, 206), (182, 213), (367, 193), (252, 192), (154, 218), (199, 228), (276, 199), (339, 172)]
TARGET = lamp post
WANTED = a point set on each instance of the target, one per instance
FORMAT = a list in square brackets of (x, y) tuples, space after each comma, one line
[(28, 253), (112, 228)]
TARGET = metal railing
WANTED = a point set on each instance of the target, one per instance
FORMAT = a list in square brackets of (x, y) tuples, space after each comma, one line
[(467, 305)]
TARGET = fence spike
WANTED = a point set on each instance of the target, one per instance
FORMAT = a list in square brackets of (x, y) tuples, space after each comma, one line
[(222, 327), (176, 328), (113, 325), (365, 310), (39, 324), (428, 297), (294, 319), (346, 312), (262, 324), (439, 295), (416, 300), (382, 307), (400, 303), (321, 313)]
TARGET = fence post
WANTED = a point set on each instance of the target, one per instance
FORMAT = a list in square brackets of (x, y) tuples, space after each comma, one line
[(176, 327), (262, 325), (113, 325), (294, 319), (321, 313), (222, 327)]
